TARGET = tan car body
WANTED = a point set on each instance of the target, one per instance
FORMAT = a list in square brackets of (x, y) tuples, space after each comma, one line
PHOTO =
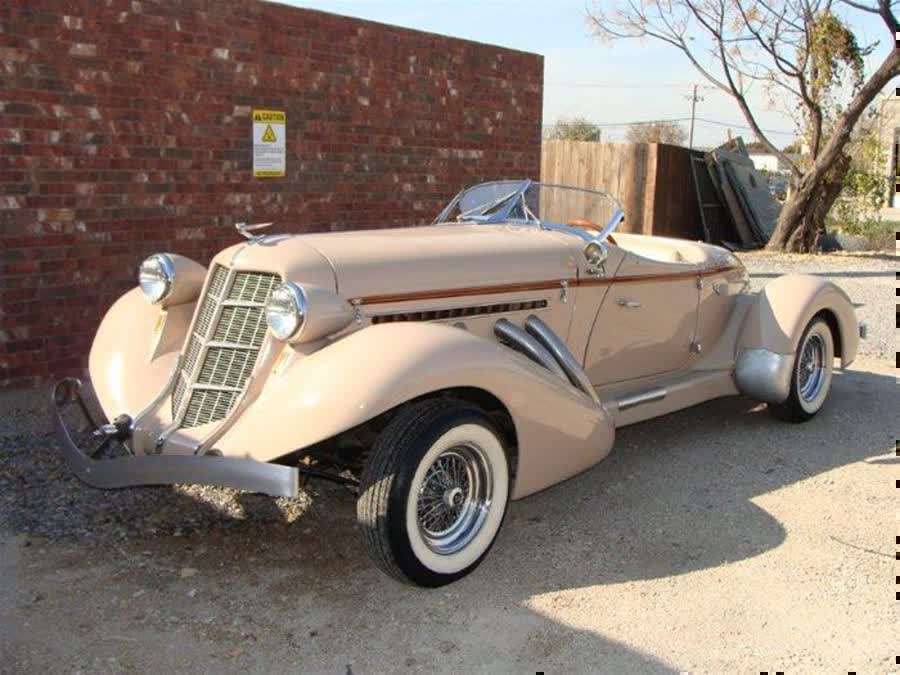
[(417, 309)]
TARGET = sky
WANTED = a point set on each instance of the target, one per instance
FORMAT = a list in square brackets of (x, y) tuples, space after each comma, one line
[(609, 84)]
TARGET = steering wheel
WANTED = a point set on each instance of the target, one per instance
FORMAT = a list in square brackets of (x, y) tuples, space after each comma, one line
[(591, 225)]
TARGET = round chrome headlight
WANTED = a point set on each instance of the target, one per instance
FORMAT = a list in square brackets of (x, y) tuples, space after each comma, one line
[(286, 310), (156, 276)]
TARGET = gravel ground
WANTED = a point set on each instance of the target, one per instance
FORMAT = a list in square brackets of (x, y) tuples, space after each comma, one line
[(39, 496), (791, 568)]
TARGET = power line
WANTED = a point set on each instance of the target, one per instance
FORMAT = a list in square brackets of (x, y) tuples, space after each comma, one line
[(671, 85), (688, 119), (640, 122), (620, 85), (744, 126)]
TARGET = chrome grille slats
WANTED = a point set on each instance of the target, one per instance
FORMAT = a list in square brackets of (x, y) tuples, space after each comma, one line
[(226, 367), (192, 354), (217, 283), (241, 325), (208, 405), (250, 288), (223, 346), (205, 315), (180, 386), (210, 300)]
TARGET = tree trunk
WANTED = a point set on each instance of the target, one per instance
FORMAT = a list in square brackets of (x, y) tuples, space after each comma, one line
[(802, 220), (801, 224)]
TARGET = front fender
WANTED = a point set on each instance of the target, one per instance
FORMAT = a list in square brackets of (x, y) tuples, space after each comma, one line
[(560, 431), (135, 351), (774, 325)]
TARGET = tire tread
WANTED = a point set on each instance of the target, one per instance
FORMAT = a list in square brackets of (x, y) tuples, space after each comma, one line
[(378, 475), (791, 410)]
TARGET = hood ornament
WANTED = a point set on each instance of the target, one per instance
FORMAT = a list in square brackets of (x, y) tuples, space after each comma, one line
[(246, 230)]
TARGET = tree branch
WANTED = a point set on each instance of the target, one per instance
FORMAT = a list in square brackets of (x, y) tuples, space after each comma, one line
[(884, 10), (888, 70)]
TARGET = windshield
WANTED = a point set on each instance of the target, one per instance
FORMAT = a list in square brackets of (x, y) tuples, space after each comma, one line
[(522, 201)]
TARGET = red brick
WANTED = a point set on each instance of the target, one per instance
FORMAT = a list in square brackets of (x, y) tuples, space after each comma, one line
[(120, 138)]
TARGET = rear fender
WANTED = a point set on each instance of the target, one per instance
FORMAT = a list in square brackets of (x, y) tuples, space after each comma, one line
[(313, 397), (774, 325)]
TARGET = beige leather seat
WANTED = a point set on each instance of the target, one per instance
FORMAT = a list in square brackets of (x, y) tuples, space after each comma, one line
[(665, 249)]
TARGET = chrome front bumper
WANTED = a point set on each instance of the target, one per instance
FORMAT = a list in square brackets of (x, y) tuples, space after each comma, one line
[(244, 474)]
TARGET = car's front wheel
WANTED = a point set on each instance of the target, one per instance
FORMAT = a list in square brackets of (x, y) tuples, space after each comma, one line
[(811, 376), (433, 492)]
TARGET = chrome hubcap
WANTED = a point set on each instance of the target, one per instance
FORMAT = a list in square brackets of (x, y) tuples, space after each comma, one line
[(811, 368), (454, 499)]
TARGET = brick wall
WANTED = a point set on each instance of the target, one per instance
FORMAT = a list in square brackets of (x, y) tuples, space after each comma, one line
[(125, 130)]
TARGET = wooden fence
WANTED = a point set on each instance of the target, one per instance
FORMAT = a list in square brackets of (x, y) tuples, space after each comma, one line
[(652, 181)]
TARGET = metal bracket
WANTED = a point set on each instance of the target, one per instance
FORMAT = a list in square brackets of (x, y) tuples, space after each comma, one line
[(357, 309), (312, 472)]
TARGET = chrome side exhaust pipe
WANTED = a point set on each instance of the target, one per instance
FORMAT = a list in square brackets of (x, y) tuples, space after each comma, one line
[(566, 360), (540, 344), (512, 336)]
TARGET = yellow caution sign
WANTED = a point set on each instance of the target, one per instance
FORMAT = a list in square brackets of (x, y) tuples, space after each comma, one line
[(276, 116), (269, 147)]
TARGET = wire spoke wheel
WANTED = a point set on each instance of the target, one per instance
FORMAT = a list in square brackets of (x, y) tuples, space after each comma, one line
[(433, 492), (454, 498), (811, 376), (811, 368)]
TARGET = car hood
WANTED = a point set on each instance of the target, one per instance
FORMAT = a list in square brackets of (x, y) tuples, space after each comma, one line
[(367, 263)]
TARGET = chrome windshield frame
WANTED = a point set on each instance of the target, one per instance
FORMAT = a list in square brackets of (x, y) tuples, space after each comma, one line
[(531, 219), (445, 213)]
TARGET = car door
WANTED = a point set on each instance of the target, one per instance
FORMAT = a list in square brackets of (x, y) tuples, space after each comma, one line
[(646, 323)]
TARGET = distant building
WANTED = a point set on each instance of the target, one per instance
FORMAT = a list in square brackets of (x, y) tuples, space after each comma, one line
[(766, 161)]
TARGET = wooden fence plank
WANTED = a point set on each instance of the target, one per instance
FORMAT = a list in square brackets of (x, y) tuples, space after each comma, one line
[(651, 182)]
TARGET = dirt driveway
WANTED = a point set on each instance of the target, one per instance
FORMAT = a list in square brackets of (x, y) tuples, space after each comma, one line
[(712, 540)]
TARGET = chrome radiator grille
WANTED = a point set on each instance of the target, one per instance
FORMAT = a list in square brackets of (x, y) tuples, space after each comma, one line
[(225, 340)]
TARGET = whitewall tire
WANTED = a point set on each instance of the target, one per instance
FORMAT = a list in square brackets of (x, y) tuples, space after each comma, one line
[(811, 375), (433, 492)]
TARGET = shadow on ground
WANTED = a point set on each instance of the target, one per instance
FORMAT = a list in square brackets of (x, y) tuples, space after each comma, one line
[(675, 496)]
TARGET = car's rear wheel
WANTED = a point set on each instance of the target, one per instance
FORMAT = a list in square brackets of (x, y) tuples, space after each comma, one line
[(433, 492), (811, 375)]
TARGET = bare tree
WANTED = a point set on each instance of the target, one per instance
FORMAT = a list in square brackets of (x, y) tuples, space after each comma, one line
[(574, 129), (656, 132), (755, 146), (799, 48)]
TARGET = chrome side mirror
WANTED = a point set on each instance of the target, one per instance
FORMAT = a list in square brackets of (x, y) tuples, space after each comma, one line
[(596, 253)]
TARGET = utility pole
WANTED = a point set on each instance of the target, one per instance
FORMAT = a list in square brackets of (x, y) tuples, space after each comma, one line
[(693, 98)]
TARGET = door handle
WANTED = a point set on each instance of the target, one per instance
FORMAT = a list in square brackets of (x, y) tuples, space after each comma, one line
[(630, 304)]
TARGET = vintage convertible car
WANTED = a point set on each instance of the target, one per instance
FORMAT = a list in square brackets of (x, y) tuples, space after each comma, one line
[(441, 370)]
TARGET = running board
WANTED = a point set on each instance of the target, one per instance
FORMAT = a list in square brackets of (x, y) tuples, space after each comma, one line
[(660, 398), (641, 398)]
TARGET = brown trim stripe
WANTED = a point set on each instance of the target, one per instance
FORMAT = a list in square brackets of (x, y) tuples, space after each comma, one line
[(459, 292), (643, 278), (525, 286)]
